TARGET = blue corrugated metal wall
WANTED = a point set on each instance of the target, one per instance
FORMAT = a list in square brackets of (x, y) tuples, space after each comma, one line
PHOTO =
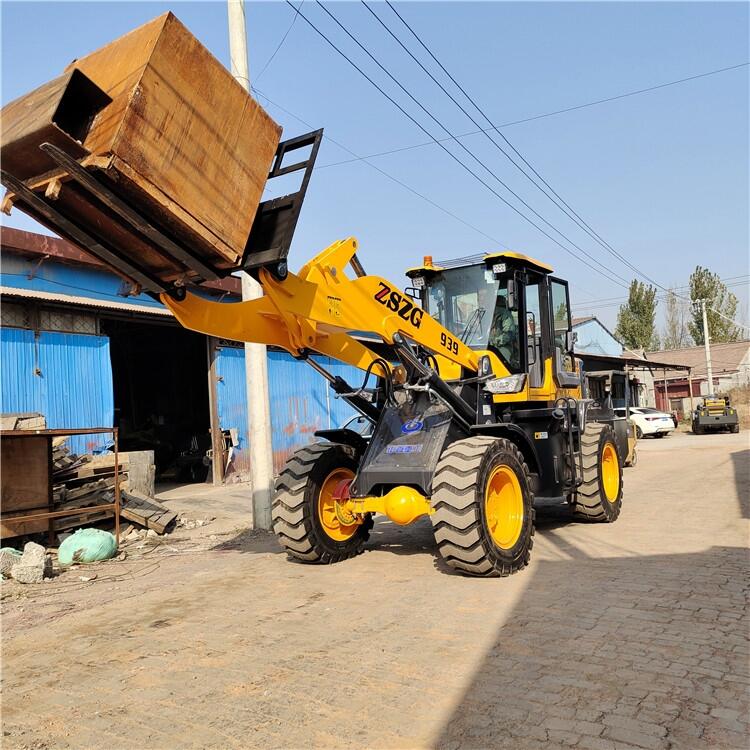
[(73, 385), (301, 401)]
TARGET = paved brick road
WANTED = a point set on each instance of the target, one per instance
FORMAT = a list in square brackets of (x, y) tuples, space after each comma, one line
[(633, 635)]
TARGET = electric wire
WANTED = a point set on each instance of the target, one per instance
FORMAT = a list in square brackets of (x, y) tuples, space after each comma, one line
[(554, 197), (378, 169), (539, 116), (729, 282), (558, 200), (447, 151), (462, 145), (280, 44), (570, 212)]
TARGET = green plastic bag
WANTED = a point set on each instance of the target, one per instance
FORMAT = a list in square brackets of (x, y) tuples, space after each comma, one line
[(87, 546)]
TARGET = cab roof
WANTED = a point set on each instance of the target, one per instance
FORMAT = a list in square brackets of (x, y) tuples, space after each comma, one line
[(480, 259), (520, 258)]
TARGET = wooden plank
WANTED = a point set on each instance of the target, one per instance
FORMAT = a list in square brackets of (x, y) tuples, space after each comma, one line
[(146, 511), (24, 481), (86, 473), (10, 528), (71, 522), (160, 523)]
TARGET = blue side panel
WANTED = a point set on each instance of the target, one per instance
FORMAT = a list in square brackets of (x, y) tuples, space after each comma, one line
[(231, 402), (65, 376), (20, 390), (301, 401)]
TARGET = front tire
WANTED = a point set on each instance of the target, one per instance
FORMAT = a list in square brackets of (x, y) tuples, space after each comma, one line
[(303, 513), (484, 515), (735, 428), (599, 496)]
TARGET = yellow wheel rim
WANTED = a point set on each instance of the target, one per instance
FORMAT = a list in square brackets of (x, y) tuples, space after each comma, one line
[(503, 507), (327, 507), (610, 473)]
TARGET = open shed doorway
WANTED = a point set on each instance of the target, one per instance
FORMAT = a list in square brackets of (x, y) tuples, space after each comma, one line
[(160, 381)]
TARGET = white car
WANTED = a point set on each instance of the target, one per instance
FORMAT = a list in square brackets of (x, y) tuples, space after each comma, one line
[(648, 421)]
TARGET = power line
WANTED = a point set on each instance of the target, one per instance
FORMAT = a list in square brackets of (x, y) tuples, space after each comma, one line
[(557, 200), (537, 117), (447, 151), (385, 174), (570, 212), (730, 281), (280, 44)]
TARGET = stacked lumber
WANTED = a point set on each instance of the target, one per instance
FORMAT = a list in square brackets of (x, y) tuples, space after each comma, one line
[(77, 485), (86, 481), (30, 421)]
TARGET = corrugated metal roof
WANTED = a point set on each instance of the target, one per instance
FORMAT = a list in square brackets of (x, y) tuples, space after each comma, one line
[(71, 299)]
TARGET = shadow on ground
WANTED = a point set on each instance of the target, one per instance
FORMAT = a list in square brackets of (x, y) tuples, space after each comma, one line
[(637, 650), (386, 536), (251, 541), (741, 463)]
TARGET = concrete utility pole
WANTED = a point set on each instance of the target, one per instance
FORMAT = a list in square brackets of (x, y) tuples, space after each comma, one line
[(256, 363), (707, 344)]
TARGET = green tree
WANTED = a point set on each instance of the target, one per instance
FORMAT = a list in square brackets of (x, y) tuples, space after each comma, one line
[(636, 319), (677, 314), (721, 308)]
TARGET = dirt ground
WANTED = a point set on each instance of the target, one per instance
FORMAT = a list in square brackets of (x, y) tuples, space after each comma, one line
[(631, 635)]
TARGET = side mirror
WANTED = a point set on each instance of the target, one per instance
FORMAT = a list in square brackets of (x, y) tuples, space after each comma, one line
[(512, 296)]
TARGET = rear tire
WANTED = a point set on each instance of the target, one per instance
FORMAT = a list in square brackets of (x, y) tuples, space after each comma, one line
[(697, 429), (638, 432), (296, 518), (735, 428), (484, 515), (598, 498)]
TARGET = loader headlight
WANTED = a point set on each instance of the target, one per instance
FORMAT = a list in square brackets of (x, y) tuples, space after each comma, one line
[(511, 384), (418, 282)]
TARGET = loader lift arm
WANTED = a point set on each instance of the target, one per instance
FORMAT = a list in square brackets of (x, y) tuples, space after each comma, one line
[(316, 310), (318, 307)]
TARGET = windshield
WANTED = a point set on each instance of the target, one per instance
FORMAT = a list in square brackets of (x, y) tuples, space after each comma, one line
[(462, 300), (472, 305)]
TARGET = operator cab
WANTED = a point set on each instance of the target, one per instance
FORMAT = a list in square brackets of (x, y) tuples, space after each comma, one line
[(506, 303)]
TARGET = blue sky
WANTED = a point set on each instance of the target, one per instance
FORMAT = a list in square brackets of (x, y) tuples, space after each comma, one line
[(662, 176)]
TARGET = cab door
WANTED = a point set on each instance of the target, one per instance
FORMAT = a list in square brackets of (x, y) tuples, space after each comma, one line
[(534, 326), (563, 363)]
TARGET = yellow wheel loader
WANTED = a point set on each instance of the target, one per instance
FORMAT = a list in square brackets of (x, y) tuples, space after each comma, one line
[(472, 389)]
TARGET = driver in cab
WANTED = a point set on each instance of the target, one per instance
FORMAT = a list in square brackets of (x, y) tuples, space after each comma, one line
[(504, 332)]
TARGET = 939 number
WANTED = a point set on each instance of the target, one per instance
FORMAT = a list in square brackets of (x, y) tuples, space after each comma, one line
[(450, 344)]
